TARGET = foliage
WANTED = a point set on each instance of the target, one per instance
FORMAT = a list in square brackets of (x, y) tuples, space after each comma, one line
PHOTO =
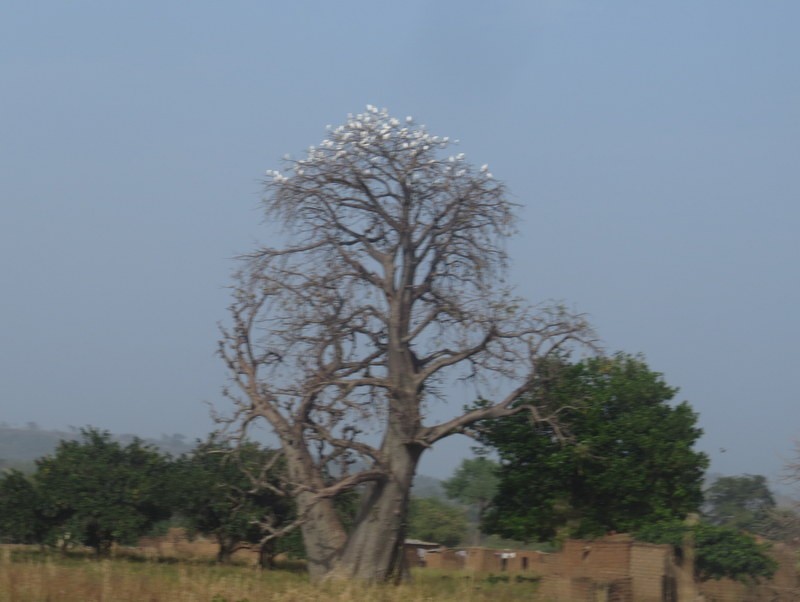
[(724, 552), (21, 517), (98, 492), (431, 519), (741, 502), (387, 283), (474, 483), (227, 493), (671, 531), (425, 486), (628, 461), (720, 552)]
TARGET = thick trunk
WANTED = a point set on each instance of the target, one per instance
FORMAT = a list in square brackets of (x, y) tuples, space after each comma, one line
[(374, 550), (323, 534)]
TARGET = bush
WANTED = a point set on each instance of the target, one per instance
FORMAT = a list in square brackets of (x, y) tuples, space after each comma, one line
[(720, 552)]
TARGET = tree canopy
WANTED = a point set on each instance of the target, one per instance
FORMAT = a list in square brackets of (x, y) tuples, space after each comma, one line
[(625, 459), (720, 552), (434, 520), (474, 484), (97, 492), (741, 502), (387, 282), (231, 494), (21, 517)]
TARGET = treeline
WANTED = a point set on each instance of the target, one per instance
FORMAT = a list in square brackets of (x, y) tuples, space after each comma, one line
[(619, 458), (97, 492)]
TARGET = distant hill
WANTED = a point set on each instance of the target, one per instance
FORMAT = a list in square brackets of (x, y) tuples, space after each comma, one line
[(19, 447), (425, 486)]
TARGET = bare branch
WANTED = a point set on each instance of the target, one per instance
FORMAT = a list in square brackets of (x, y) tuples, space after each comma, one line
[(391, 283)]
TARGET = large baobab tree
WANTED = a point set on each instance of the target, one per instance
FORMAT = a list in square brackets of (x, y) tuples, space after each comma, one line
[(388, 281)]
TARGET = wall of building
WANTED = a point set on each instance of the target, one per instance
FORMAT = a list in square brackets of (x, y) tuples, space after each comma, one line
[(650, 571), (618, 569), (444, 559), (599, 560)]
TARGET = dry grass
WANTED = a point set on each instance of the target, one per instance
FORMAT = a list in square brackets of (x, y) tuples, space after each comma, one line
[(38, 578)]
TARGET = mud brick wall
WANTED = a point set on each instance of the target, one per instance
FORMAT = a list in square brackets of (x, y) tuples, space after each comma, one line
[(617, 569), (614, 569), (483, 559), (598, 560), (555, 588), (444, 559), (649, 566), (726, 590), (785, 578), (536, 563)]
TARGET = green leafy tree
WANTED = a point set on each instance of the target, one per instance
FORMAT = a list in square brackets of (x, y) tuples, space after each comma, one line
[(741, 502), (720, 552), (474, 484), (99, 493), (431, 519), (232, 495), (628, 460), (724, 552), (21, 516)]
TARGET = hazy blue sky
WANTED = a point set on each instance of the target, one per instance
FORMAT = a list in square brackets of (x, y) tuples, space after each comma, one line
[(654, 148)]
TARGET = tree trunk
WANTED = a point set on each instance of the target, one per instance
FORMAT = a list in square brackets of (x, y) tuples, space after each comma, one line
[(323, 536), (226, 549), (266, 555), (323, 533), (374, 551)]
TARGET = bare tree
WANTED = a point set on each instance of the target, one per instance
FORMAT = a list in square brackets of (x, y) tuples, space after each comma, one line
[(390, 282)]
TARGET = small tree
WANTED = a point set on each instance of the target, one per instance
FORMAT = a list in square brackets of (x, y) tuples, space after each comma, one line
[(741, 502), (100, 493), (433, 520), (724, 552), (21, 517), (231, 495), (389, 279), (629, 459), (475, 485), (720, 552)]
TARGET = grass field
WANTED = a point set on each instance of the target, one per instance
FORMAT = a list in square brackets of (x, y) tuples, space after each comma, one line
[(51, 578)]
